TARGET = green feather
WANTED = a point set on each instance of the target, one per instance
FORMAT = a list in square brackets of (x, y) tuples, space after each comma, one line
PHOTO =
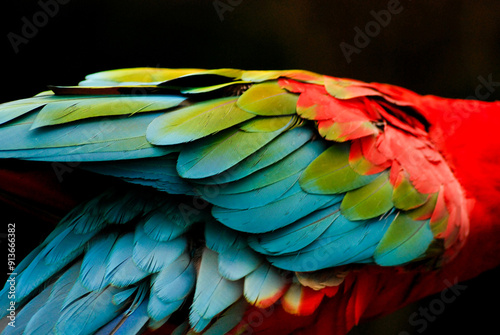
[(368, 201), (195, 90), (268, 99), (64, 111), (194, 122), (135, 75), (331, 173), (406, 197), (11, 110), (222, 151), (269, 124), (405, 240)]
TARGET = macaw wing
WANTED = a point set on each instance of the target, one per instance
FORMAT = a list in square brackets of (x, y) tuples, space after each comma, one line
[(303, 174)]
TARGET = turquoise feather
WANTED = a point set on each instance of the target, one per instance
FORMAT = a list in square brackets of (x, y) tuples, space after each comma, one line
[(24, 316), (175, 281), (127, 324), (220, 238), (264, 286), (150, 255), (290, 165), (79, 317), (251, 199), (163, 227), (275, 151), (159, 173), (159, 310), (292, 206), (121, 270), (296, 236), (38, 323), (94, 262), (222, 151), (88, 140), (342, 243), (213, 293), (236, 263)]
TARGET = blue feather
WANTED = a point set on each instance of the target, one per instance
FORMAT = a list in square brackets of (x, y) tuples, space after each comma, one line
[(251, 199), (151, 255), (127, 324), (38, 272), (87, 140), (94, 262), (342, 243), (292, 206), (175, 281), (201, 159), (64, 245), (289, 166), (296, 236), (123, 296), (163, 225), (159, 310), (235, 263), (264, 286), (275, 151), (220, 238), (228, 320), (121, 270), (159, 173), (213, 293), (39, 324), (86, 314)]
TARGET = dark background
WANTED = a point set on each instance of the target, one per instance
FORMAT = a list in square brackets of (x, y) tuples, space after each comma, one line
[(432, 47)]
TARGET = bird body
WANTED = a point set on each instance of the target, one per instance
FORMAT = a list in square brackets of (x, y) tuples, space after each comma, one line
[(258, 201)]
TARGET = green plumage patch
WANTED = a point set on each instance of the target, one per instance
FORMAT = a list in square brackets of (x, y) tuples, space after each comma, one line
[(405, 240), (268, 99), (68, 110), (368, 201), (331, 173), (196, 121)]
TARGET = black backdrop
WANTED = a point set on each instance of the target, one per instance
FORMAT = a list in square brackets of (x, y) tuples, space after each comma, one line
[(447, 48)]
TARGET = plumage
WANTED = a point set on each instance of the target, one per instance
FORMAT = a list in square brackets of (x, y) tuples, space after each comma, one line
[(213, 293), (268, 99), (331, 173), (228, 192), (404, 233), (201, 160), (264, 286), (369, 201), (151, 255), (93, 271), (121, 270), (175, 281), (197, 121), (275, 151)]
